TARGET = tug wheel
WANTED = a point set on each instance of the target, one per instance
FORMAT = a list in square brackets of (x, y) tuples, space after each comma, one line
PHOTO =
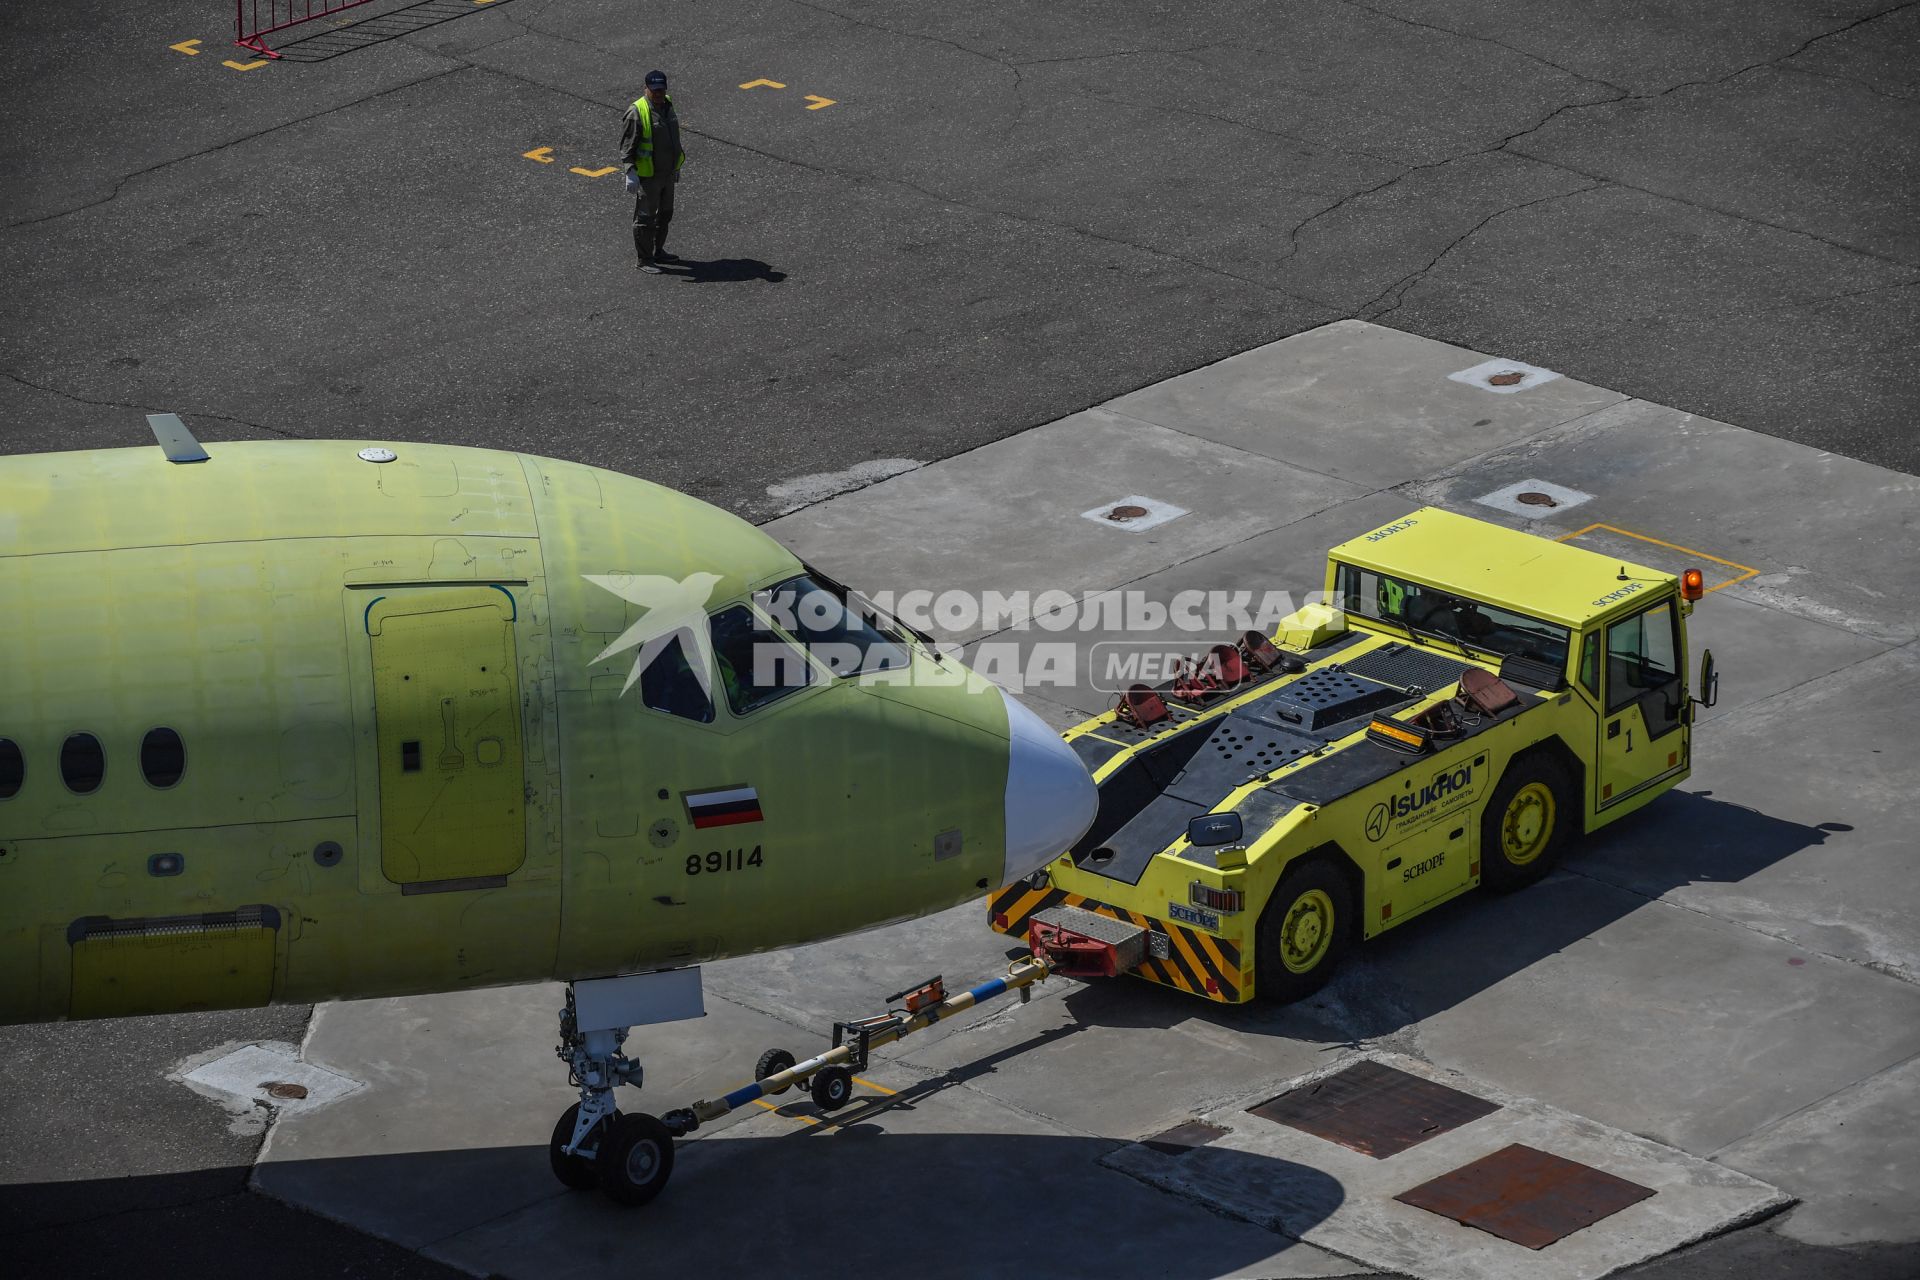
[(576, 1171), (1302, 933), (635, 1160), (1525, 824), (772, 1063), (832, 1088)]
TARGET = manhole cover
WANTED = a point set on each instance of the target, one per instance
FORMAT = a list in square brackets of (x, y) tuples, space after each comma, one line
[(1183, 1138), (1534, 498), (1126, 512), (1375, 1109), (1506, 379), (1527, 1196), (281, 1089)]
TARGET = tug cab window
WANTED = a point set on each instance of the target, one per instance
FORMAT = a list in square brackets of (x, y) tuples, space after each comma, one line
[(1455, 619), (669, 684), (1643, 665), (834, 625), (756, 664)]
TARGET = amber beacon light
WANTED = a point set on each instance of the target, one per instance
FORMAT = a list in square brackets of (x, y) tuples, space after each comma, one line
[(1692, 584)]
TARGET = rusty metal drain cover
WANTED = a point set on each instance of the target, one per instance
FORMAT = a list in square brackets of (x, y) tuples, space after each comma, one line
[(1375, 1109), (1183, 1138), (1528, 1196)]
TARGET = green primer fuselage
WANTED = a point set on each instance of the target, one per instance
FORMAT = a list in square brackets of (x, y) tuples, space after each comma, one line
[(406, 769)]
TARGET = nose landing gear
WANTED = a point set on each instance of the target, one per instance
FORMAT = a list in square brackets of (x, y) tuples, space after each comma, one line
[(629, 1156)]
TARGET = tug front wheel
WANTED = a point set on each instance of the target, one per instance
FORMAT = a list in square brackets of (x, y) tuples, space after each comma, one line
[(1302, 933), (1527, 820), (635, 1160), (576, 1171)]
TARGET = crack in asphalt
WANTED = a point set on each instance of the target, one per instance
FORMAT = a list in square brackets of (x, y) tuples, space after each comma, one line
[(127, 404), (1412, 280), (1506, 143), (121, 183), (1501, 44)]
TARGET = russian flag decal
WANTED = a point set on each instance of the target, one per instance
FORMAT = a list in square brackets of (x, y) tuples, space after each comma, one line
[(722, 807)]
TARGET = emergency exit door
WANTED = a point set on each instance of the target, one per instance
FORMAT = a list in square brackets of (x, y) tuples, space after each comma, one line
[(447, 719)]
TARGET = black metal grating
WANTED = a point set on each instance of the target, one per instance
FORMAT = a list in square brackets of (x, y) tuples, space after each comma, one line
[(1407, 668), (1525, 1195), (1374, 1109)]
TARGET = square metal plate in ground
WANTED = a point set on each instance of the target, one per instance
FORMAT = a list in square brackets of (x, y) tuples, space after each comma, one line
[(1375, 1109), (1503, 377), (1533, 499), (1134, 513), (1528, 1196)]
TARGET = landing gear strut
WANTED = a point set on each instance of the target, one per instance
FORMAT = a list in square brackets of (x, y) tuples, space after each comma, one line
[(629, 1156)]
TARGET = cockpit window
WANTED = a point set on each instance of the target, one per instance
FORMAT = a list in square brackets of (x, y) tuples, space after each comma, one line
[(756, 664), (1452, 618), (670, 685), (835, 626)]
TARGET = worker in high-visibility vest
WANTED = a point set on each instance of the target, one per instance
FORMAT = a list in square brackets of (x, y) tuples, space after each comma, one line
[(650, 154)]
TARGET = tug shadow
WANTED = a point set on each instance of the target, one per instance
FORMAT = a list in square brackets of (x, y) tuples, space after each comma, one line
[(1463, 948)]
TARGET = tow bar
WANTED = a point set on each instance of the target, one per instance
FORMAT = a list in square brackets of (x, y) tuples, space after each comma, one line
[(829, 1076)]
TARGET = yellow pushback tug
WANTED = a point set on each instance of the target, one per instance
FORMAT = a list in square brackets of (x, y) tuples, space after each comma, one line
[(1470, 699)]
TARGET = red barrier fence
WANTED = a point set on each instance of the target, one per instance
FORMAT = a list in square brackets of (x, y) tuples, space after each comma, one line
[(254, 20)]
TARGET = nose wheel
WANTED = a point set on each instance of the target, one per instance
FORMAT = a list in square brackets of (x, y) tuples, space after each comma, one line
[(629, 1156)]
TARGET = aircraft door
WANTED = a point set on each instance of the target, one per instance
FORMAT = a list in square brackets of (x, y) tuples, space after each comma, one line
[(1640, 741), (447, 723)]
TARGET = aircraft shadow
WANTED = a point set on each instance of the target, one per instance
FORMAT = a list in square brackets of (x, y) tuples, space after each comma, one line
[(1481, 939), (816, 1203)]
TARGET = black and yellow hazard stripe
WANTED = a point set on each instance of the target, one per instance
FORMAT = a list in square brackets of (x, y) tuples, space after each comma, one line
[(1196, 962)]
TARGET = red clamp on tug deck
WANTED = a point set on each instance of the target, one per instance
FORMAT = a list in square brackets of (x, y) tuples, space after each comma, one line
[(1077, 943)]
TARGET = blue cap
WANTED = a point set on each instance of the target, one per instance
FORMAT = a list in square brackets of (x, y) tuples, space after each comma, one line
[(656, 79)]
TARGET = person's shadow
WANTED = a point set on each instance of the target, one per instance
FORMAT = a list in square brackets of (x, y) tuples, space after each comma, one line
[(722, 270)]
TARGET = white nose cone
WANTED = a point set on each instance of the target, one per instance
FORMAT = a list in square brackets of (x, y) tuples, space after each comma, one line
[(1051, 798)]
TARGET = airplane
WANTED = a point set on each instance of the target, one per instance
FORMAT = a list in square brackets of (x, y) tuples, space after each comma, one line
[(298, 721)]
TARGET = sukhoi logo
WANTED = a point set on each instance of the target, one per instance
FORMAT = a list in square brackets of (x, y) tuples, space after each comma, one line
[(1444, 785), (1387, 532), (1384, 814)]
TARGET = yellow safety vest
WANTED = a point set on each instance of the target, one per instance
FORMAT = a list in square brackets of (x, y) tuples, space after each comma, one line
[(643, 153)]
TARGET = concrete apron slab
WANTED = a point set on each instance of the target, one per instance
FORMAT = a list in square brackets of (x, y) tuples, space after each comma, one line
[(1250, 1173)]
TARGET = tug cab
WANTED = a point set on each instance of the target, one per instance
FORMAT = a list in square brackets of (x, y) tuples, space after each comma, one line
[(1469, 700)]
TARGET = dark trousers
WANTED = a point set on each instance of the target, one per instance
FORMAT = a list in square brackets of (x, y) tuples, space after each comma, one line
[(652, 215)]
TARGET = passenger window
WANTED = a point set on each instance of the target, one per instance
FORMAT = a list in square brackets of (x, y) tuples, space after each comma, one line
[(670, 685), (1590, 663), (1640, 655), (756, 664), (163, 757), (831, 625), (13, 768), (82, 764)]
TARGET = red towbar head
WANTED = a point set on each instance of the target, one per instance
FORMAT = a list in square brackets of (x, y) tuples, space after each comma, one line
[(1084, 944)]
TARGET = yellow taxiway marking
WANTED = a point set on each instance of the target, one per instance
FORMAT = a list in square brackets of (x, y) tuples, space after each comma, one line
[(543, 154), (815, 102), (877, 1088), (1746, 571), (245, 66), (775, 1108), (189, 47), (763, 84), (593, 173)]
